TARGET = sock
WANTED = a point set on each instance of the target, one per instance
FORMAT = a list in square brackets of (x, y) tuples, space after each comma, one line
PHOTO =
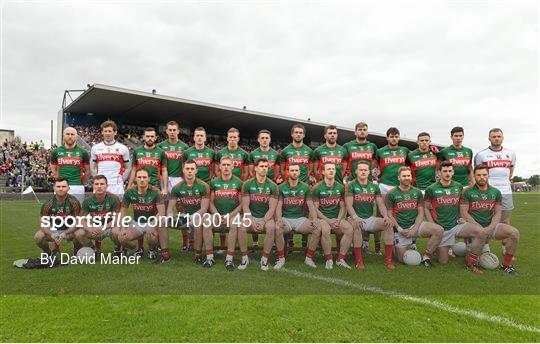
[(358, 255), (507, 259), (244, 256), (309, 253), (222, 240), (165, 254), (140, 244), (281, 254), (229, 256), (472, 259), (328, 256), (341, 256), (185, 238), (56, 247), (427, 255), (98, 245), (388, 252)]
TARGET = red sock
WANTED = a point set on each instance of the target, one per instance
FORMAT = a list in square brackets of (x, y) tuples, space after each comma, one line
[(185, 238), (166, 255), (309, 253), (341, 256), (358, 255), (210, 250), (140, 244), (281, 254), (265, 254), (472, 259), (230, 253), (56, 247), (328, 256), (507, 259), (388, 249), (427, 254), (222, 240), (98, 245), (245, 253)]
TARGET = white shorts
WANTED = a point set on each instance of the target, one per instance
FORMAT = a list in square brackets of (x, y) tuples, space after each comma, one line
[(141, 227), (77, 191), (507, 202), (294, 224), (385, 188), (367, 224), (173, 181), (116, 189), (449, 236), (402, 241)]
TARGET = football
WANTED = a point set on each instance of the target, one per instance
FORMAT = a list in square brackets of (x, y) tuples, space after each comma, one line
[(488, 261), (412, 257), (459, 249), (85, 252)]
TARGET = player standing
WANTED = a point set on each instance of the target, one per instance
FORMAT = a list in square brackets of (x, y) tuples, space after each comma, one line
[(481, 205), (328, 197), (225, 201), (294, 197), (460, 157), (110, 158), (61, 205), (155, 161), (267, 152), (203, 155), (442, 202), (423, 163), (405, 206), (191, 198), (146, 202), (71, 162), (259, 200), (174, 149), (390, 159), (361, 195), (331, 152)]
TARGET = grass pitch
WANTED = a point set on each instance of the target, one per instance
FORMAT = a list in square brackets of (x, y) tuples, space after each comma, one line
[(180, 301)]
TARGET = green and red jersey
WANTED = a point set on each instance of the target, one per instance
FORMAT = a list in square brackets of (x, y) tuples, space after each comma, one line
[(336, 156), (329, 198), (390, 160), (461, 159), (481, 203), (364, 197), (423, 168), (173, 154), (302, 155), (189, 197), (273, 160), (293, 199), (404, 205), (204, 159), (69, 207), (71, 163), (227, 194), (444, 203), (259, 195), (144, 205), (240, 160), (357, 152), (100, 207), (151, 159)]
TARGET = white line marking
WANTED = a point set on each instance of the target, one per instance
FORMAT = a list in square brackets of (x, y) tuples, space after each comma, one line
[(422, 300)]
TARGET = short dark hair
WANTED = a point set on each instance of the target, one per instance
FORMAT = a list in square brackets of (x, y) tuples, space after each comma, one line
[(108, 124), (423, 134), (264, 131), (445, 163), (175, 123), (298, 125), (363, 162), (60, 180), (457, 130), (233, 130), (258, 161), (403, 169), (199, 129), (150, 129), (480, 167), (99, 177), (392, 131), (293, 164), (142, 168), (329, 127), (190, 161)]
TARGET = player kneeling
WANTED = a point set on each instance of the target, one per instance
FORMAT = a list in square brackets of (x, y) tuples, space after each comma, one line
[(481, 205), (405, 206), (442, 202), (225, 204), (52, 216), (259, 200), (360, 198), (191, 197), (148, 208), (328, 197), (102, 205), (294, 195)]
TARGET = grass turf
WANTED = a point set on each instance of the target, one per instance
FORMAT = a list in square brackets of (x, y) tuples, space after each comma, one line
[(179, 301)]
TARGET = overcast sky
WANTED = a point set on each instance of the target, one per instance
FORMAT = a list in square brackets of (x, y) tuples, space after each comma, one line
[(417, 65)]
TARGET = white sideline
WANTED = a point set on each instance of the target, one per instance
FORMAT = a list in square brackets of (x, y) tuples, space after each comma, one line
[(422, 300)]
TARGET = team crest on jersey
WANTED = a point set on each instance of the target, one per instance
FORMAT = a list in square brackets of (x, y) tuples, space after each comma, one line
[(459, 154), (448, 192), (225, 186), (406, 197), (484, 197), (147, 154)]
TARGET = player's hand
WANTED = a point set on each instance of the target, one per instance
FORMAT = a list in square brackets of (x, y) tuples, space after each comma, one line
[(334, 224), (164, 192), (387, 221), (407, 233), (58, 239)]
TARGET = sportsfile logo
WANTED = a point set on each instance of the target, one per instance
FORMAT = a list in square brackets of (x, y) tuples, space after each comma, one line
[(294, 201), (447, 200), (329, 201), (424, 163), (109, 157), (174, 155), (69, 161), (303, 160), (364, 198), (361, 155), (499, 163), (481, 205), (460, 161), (148, 162)]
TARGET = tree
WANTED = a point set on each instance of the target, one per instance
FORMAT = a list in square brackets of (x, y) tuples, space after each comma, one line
[(517, 179), (534, 180)]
